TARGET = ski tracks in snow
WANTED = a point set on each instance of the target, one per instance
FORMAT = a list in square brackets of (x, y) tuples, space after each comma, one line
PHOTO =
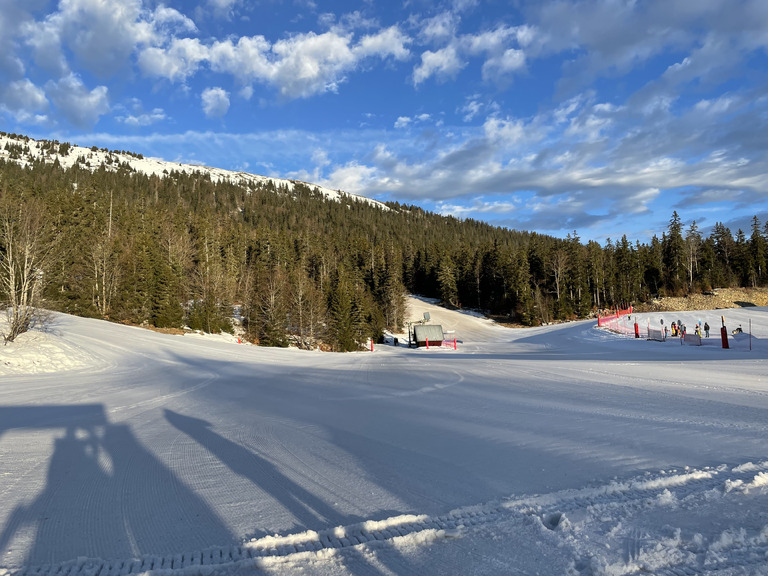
[(638, 526)]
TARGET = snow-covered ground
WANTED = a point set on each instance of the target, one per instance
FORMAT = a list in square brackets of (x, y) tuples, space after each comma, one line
[(555, 450)]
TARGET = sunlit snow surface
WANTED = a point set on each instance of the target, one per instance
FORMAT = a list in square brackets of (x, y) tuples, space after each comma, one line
[(554, 450)]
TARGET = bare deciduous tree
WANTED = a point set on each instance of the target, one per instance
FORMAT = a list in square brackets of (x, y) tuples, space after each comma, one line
[(26, 248), (308, 310), (558, 264)]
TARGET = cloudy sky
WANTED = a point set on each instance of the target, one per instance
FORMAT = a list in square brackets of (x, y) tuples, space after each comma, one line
[(599, 116)]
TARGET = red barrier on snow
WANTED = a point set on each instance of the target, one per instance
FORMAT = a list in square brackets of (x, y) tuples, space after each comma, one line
[(616, 322), (613, 314), (724, 336)]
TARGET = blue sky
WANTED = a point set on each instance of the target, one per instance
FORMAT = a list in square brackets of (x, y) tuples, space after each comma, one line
[(599, 116)]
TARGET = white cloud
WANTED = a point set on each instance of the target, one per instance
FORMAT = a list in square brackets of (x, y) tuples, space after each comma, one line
[(101, 35), (465, 5), (471, 109), (614, 35), (502, 48), (299, 67), (491, 41), (527, 35), (178, 62), (222, 8), (388, 42), (44, 38), (636, 202), (320, 158), (23, 96), (311, 64), (585, 162), (247, 59), (143, 119), (440, 28), (510, 60), (478, 206), (614, 38), (499, 48), (443, 64), (405, 121), (353, 177), (506, 132), (592, 123), (246, 92), (715, 106), (80, 106), (215, 102), (305, 64), (167, 22), (104, 37), (12, 19)]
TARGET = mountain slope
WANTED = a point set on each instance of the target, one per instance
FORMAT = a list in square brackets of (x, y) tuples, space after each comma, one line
[(24, 150)]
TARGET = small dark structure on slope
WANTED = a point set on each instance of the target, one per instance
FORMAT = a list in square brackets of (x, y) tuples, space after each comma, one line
[(423, 333)]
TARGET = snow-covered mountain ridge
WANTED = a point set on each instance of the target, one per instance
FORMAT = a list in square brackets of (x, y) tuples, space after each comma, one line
[(23, 150)]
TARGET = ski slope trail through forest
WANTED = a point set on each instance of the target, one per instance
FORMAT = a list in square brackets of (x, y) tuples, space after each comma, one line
[(554, 450)]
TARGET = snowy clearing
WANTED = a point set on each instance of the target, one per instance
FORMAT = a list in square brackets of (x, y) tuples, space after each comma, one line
[(555, 450)]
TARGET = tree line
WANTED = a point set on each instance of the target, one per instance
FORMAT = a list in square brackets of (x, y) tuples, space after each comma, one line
[(184, 251)]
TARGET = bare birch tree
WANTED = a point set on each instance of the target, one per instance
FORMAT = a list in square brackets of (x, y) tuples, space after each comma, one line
[(26, 249)]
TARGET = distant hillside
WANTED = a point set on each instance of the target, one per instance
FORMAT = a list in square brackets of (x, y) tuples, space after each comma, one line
[(24, 150)]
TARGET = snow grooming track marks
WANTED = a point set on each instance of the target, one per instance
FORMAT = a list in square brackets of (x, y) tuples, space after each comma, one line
[(422, 528), (560, 520)]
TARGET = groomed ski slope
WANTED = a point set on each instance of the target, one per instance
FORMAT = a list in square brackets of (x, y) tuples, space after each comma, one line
[(554, 450)]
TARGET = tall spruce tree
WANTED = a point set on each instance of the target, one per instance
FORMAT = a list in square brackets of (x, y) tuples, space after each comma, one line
[(758, 248), (674, 255)]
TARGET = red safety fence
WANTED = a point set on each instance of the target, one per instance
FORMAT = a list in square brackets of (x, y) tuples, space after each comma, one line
[(445, 343), (624, 325), (612, 315), (449, 343), (621, 321)]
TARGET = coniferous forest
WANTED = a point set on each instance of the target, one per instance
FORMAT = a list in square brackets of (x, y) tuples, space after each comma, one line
[(301, 269)]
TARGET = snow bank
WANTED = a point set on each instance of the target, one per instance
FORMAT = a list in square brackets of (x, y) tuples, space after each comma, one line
[(41, 351)]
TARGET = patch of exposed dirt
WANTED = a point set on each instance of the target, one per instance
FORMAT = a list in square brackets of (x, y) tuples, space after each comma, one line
[(716, 299)]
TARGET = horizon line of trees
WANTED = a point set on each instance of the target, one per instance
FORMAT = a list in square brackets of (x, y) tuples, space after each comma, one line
[(183, 251)]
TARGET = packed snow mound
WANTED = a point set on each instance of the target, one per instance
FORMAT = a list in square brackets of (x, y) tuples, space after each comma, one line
[(40, 351)]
